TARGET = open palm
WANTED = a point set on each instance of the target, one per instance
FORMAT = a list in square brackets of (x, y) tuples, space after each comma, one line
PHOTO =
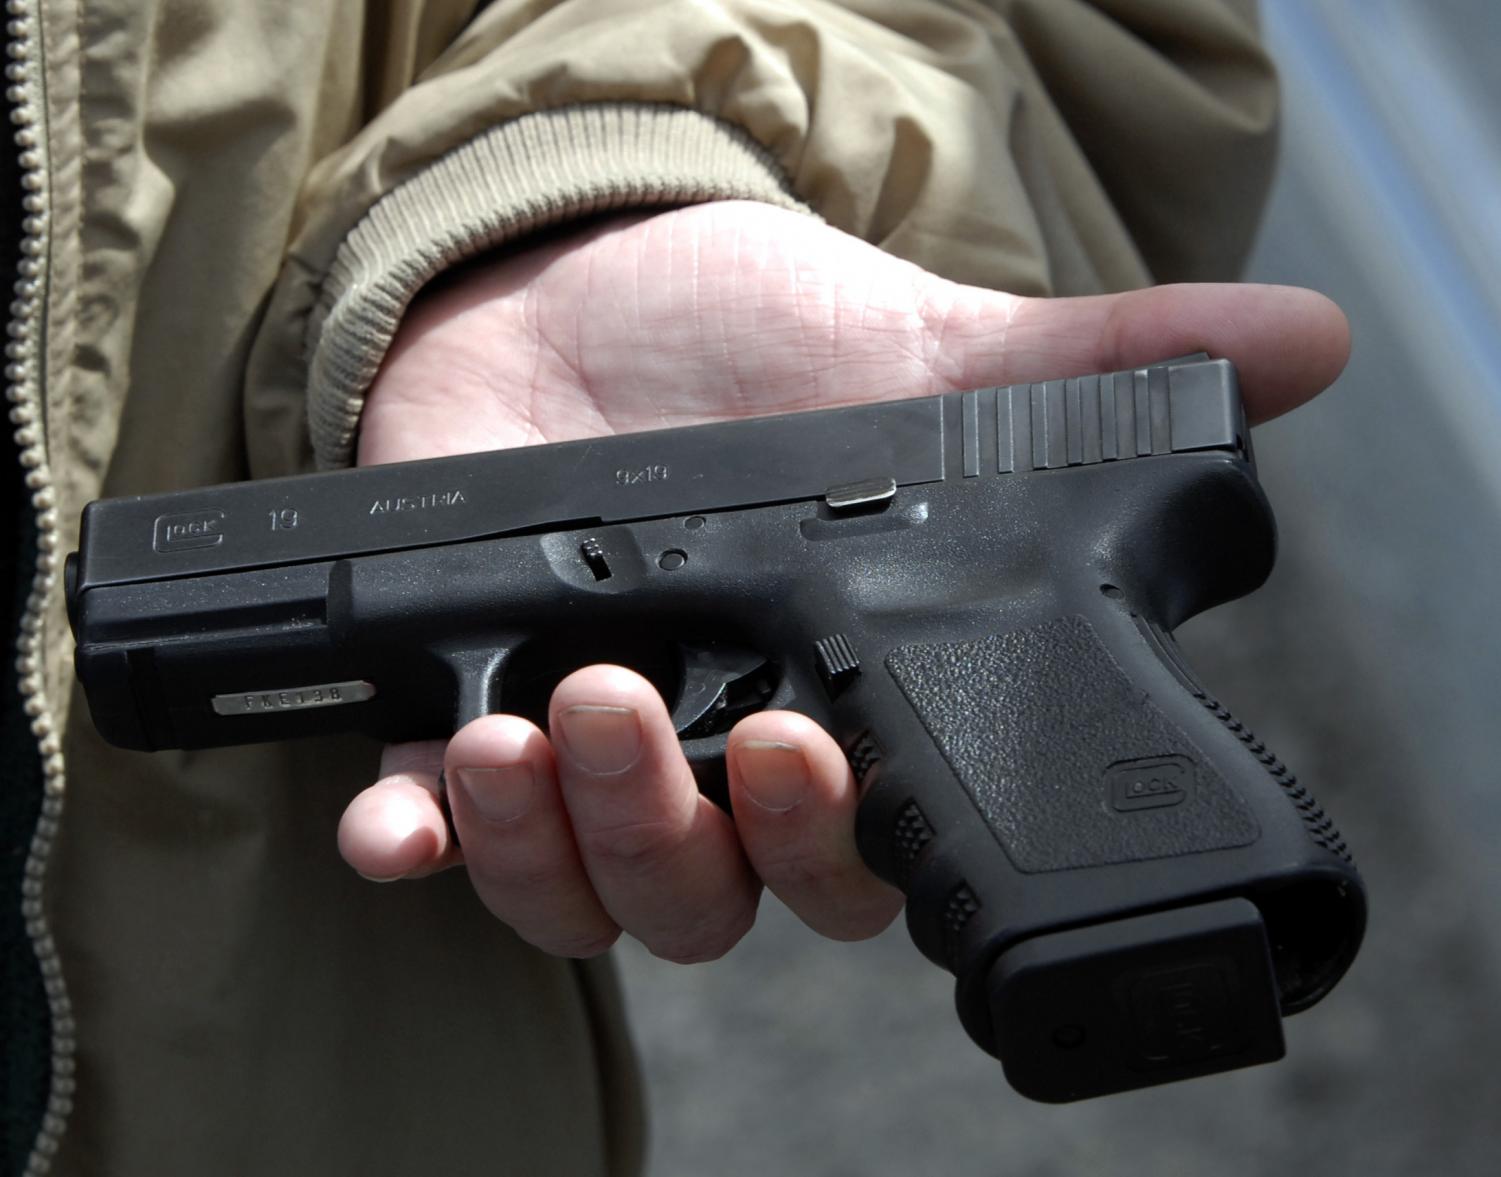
[(708, 313)]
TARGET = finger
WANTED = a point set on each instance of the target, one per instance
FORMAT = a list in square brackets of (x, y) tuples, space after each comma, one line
[(665, 862), (794, 800), (518, 844), (396, 829), (1288, 344)]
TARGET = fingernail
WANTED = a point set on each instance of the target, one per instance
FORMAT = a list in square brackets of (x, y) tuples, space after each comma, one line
[(774, 775), (602, 740), (502, 792)]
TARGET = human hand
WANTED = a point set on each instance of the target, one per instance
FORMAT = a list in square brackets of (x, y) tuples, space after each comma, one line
[(708, 313)]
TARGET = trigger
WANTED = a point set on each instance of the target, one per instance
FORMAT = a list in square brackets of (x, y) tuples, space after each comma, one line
[(720, 684)]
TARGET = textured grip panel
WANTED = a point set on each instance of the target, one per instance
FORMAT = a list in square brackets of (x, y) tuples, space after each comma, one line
[(864, 754), (1070, 763), (909, 837), (961, 907)]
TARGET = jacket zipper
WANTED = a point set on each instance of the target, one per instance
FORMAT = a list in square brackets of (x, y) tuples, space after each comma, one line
[(24, 380)]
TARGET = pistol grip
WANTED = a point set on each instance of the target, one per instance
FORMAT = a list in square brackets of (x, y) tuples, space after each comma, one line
[(1062, 786)]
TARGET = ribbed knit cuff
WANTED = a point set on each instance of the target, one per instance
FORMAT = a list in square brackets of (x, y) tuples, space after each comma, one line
[(536, 171)]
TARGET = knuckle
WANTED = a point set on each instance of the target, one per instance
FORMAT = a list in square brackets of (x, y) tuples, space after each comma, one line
[(859, 920), (534, 877), (676, 955), (709, 940), (577, 946), (633, 844), (802, 872)]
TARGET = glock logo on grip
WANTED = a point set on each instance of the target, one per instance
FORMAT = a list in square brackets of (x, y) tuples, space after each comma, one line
[(177, 533), (1152, 783)]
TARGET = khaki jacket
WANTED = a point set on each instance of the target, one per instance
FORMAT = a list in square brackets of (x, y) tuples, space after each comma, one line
[(226, 208)]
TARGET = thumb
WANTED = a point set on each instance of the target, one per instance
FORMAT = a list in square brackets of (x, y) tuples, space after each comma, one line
[(1288, 344)]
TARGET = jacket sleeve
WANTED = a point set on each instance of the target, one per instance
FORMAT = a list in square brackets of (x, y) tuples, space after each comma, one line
[(1040, 146)]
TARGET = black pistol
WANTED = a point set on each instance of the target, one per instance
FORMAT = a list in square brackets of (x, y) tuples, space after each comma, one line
[(974, 592)]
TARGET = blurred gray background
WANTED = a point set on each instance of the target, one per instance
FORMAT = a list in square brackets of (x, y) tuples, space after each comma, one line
[(1369, 663)]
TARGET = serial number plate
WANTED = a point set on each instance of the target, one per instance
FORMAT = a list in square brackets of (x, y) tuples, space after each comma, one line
[(328, 694)]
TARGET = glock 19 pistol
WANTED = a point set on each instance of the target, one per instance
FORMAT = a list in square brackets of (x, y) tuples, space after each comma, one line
[(973, 592)]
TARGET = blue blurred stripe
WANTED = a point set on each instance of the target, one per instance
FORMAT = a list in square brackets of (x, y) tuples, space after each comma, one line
[(1446, 262)]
